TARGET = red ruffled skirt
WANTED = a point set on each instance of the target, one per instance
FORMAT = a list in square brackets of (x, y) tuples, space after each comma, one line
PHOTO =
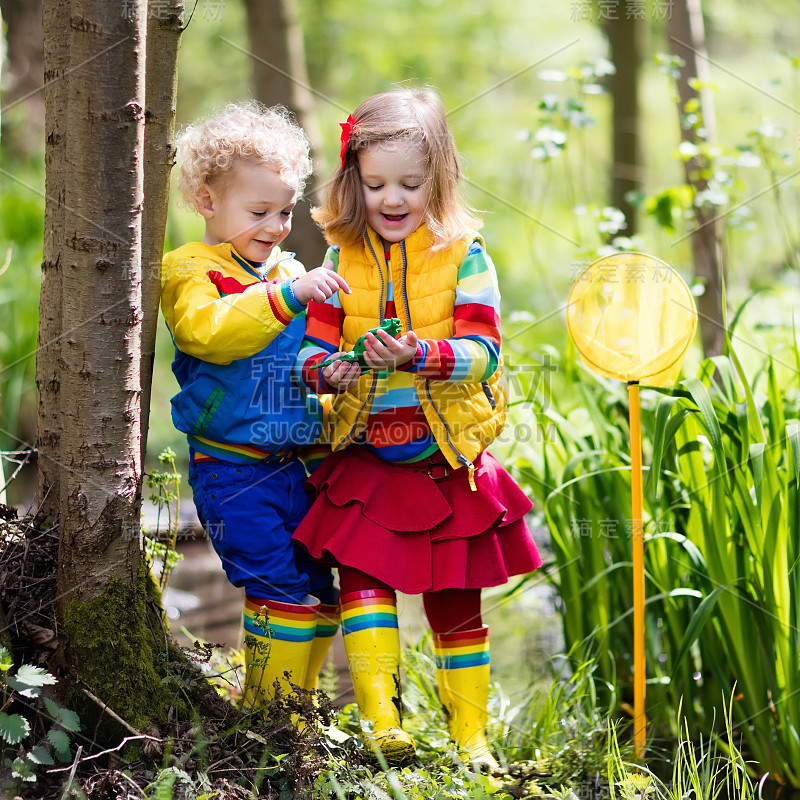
[(414, 533)]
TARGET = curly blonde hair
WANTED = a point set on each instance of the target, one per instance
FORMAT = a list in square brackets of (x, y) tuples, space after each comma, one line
[(208, 148)]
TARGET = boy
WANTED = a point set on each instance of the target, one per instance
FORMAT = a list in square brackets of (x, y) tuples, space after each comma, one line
[(235, 308)]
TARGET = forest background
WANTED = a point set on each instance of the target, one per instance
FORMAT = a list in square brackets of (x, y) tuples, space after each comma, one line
[(525, 87), (527, 90)]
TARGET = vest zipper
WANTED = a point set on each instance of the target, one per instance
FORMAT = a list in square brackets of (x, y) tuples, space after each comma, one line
[(487, 390), (406, 305), (372, 388), (460, 457), (381, 310)]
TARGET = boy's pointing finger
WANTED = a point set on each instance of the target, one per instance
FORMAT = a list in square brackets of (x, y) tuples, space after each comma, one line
[(342, 283)]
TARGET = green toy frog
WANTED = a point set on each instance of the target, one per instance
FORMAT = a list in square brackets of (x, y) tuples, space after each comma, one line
[(392, 326)]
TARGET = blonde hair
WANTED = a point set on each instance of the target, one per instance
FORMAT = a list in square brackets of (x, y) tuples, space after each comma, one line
[(249, 131), (409, 115)]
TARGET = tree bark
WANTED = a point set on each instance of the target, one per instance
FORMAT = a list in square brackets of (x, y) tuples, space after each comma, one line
[(108, 619), (101, 313), (624, 38), (280, 76), (687, 38), (164, 28), (48, 354)]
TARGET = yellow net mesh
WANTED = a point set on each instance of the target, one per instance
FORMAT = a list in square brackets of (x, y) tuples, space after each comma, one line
[(632, 317)]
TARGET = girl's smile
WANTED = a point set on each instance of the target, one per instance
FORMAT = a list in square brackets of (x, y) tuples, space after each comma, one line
[(396, 188)]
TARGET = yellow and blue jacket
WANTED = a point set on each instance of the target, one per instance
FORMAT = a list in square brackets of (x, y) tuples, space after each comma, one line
[(237, 328)]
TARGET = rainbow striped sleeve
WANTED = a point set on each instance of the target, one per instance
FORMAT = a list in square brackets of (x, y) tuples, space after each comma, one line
[(323, 336), (282, 302), (473, 353)]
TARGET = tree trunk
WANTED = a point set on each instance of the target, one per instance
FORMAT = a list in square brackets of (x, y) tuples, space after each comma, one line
[(280, 76), (101, 317), (48, 354), (164, 28), (624, 37), (110, 628), (687, 38)]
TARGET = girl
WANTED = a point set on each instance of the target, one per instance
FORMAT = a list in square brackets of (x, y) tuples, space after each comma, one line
[(410, 500)]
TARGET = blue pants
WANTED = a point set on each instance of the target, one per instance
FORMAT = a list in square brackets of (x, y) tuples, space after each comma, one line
[(249, 512)]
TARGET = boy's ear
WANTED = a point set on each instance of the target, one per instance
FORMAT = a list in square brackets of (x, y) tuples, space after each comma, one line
[(204, 202)]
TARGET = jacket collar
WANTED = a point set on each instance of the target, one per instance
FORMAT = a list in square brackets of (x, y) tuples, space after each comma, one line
[(258, 270), (421, 239)]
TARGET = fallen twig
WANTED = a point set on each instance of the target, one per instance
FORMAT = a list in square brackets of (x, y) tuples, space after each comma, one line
[(111, 713), (110, 750), (72, 771)]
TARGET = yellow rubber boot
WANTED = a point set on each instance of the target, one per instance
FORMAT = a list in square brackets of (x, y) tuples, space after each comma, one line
[(372, 644), (278, 638), (462, 671), (328, 621)]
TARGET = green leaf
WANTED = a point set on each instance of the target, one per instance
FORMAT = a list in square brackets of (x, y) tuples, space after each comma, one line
[(757, 429), (6, 662), (60, 742), (66, 718), (40, 755), (29, 680), (69, 720), (22, 769), (725, 378), (757, 461), (737, 315), (689, 547), (13, 727), (53, 708), (697, 623), (793, 437), (257, 737), (702, 399), (662, 417)]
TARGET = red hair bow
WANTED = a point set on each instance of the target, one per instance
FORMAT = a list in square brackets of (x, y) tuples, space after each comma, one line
[(347, 132)]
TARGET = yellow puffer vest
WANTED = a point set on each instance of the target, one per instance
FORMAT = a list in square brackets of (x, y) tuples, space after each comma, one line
[(465, 417)]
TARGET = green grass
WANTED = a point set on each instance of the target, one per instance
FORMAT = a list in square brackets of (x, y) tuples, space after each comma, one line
[(561, 741), (722, 539)]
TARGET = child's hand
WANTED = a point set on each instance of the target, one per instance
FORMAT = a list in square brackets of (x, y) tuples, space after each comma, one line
[(382, 352), (319, 284), (341, 375)]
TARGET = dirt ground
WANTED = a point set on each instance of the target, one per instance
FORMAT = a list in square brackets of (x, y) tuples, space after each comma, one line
[(220, 748)]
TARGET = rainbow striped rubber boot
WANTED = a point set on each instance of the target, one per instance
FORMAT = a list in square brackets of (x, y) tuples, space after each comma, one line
[(328, 621), (372, 643), (278, 638), (462, 672)]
